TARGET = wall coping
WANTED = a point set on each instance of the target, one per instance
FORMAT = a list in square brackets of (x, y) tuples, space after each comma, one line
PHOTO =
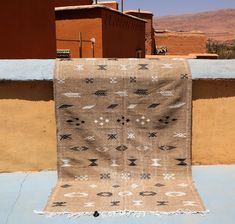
[(26, 70)]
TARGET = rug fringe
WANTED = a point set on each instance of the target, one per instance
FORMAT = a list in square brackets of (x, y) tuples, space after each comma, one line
[(121, 213)]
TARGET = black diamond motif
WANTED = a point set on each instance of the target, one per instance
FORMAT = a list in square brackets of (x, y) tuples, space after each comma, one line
[(101, 93), (122, 148), (112, 106), (141, 92), (147, 193), (159, 185), (154, 105), (79, 148), (64, 106), (167, 147), (66, 186), (105, 194)]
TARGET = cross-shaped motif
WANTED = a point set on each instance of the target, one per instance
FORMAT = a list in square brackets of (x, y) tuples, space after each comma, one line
[(137, 202), (113, 80), (184, 76), (180, 135), (152, 134), (59, 204), (112, 136), (145, 176), (181, 162), (89, 204), (115, 203), (133, 79), (89, 80), (162, 203), (143, 66), (65, 137), (132, 162), (168, 176), (130, 135), (93, 162), (189, 203), (102, 67)]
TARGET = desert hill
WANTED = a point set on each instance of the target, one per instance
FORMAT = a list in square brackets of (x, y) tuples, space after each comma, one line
[(218, 25)]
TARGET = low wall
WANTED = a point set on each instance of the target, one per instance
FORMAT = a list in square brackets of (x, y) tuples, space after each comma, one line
[(28, 132)]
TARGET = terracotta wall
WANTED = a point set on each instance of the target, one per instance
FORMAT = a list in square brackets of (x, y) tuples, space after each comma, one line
[(60, 3), (122, 36), (112, 5), (30, 33), (149, 31), (181, 43), (68, 26), (27, 131), (116, 35)]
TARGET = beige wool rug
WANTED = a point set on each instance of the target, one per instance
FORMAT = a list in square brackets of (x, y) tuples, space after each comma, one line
[(124, 138)]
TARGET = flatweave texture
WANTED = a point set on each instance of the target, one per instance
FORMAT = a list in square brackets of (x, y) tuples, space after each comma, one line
[(124, 137)]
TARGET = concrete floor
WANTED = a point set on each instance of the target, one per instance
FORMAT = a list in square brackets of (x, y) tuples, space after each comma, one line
[(21, 193)]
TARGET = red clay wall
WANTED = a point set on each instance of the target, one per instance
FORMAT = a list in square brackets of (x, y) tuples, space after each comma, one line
[(60, 3), (184, 43), (149, 31), (116, 35), (112, 5), (27, 29), (68, 26), (122, 36)]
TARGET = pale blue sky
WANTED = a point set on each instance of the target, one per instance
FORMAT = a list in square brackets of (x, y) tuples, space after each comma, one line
[(174, 7)]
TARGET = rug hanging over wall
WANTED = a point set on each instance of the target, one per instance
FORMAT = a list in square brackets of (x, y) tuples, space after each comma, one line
[(124, 137)]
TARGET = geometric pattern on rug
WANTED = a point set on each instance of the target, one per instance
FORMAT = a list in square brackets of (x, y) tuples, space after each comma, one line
[(123, 137)]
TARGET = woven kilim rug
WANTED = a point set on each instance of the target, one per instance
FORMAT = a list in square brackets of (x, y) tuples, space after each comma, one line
[(124, 137)]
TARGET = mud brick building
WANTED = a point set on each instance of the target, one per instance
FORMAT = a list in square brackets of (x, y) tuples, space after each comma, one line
[(99, 31), (181, 43), (149, 31)]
